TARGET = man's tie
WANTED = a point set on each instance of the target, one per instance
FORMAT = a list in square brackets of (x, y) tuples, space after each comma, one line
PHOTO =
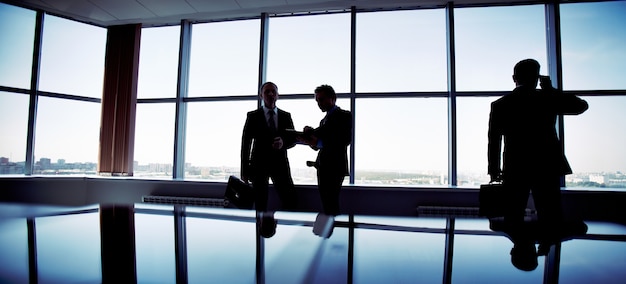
[(271, 122)]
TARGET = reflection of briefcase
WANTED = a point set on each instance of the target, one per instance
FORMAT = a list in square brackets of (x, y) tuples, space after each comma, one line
[(493, 200), (238, 194)]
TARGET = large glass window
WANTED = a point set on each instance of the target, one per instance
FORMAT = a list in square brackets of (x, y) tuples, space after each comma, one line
[(472, 124), (490, 41), (67, 136), (593, 37), (401, 141), (154, 140), (594, 144), (72, 58), (224, 59), (14, 125), (307, 51), (158, 62), (401, 51), (214, 132), (17, 30)]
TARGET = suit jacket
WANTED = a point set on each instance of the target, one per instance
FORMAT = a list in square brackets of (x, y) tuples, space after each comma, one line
[(526, 119), (335, 131), (257, 154)]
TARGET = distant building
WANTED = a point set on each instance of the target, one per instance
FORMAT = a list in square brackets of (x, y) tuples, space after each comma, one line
[(601, 179)]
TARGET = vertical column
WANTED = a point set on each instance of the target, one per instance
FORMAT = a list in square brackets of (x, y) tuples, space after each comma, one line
[(352, 88), (263, 44), (119, 100), (34, 87), (452, 155), (180, 130), (555, 70)]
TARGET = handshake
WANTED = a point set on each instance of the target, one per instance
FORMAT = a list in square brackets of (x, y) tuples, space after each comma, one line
[(306, 137)]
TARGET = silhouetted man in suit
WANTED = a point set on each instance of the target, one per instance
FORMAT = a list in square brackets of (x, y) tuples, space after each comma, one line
[(331, 138), (533, 157), (264, 132)]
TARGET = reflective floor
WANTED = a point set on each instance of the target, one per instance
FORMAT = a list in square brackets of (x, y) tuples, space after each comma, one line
[(213, 245)]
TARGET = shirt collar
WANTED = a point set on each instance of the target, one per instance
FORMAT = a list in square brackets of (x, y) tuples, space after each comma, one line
[(266, 109)]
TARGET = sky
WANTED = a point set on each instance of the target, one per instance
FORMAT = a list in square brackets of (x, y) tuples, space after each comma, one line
[(401, 51)]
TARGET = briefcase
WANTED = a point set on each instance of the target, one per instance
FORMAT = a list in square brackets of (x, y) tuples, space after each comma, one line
[(493, 200), (239, 194)]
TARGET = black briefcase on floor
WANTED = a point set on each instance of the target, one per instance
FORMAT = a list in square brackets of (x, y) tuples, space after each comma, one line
[(493, 200), (238, 194)]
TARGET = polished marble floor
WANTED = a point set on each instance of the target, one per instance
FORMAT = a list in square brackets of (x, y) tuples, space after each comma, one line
[(214, 245)]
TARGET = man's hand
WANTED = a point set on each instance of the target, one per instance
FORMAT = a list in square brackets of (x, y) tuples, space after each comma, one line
[(277, 143), (545, 83), (496, 178)]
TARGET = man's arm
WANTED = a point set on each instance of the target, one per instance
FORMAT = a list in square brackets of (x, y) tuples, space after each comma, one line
[(494, 148), (246, 143)]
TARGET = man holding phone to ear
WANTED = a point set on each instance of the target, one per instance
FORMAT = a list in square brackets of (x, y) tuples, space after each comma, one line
[(533, 158)]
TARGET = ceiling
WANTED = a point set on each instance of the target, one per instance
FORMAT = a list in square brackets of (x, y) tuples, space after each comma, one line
[(106, 13)]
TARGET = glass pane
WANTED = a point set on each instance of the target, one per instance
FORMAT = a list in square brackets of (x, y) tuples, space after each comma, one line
[(490, 41), (592, 261), (382, 256), (154, 239), (214, 132), (154, 140), (594, 144), (224, 59), (67, 137), (17, 31), (472, 124), (487, 259), (158, 62), (14, 248), (593, 42), (401, 51), (307, 51), (69, 241), (305, 112), (72, 58), (220, 251), (401, 141), (14, 123)]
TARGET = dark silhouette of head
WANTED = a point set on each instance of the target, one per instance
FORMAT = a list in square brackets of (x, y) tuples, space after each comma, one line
[(325, 97), (524, 256), (526, 73)]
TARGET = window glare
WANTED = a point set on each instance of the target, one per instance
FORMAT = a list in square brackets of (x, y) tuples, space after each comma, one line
[(220, 125), (307, 51), (67, 132), (593, 40), (489, 41), (401, 51), (13, 120), (411, 139), (594, 147), (158, 63), (17, 27), (154, 140), (224, 59), (65, 51)]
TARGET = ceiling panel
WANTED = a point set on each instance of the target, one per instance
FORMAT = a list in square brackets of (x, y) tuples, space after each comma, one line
[(106, 13), (168, 7), (212, 6), (123, 9)]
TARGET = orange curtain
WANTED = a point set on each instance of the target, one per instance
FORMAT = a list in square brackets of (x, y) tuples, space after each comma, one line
[(119, 100)]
